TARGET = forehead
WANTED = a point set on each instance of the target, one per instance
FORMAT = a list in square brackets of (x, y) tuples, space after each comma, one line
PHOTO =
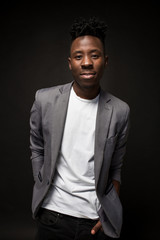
[(86, 43)]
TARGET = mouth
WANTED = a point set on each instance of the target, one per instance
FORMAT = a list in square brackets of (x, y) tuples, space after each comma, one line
[(88, 75)]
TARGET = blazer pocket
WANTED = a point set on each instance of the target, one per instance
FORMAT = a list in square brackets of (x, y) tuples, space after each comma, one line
[(110, 146)]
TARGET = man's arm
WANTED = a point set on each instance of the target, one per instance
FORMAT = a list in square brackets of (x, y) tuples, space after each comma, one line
[(36, 139), (117, 161), (120, 149)]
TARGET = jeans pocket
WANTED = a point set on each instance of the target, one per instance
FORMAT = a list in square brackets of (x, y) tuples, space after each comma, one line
[(47, 217)]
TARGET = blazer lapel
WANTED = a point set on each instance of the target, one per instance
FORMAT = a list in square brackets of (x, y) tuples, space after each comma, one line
[(59, 116), (102, 126)]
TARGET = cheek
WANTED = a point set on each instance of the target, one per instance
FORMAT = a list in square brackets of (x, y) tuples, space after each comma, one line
[(100, 68), (75, 67)]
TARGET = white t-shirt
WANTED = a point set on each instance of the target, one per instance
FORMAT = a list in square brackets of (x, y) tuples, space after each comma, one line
[(73, 188)]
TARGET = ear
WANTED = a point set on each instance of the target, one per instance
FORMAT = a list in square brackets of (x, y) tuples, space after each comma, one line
[(69, 63), (105, 60)]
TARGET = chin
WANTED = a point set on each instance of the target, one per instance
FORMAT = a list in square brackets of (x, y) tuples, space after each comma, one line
[(88, 84)]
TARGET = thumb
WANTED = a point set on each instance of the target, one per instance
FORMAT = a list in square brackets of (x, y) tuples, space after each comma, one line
[(96, 228)]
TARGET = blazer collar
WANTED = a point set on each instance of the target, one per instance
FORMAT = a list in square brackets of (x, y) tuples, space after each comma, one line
[(66, 88), (58, 121)]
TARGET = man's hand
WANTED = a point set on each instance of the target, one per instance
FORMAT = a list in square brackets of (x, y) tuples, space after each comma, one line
[(96, 228)]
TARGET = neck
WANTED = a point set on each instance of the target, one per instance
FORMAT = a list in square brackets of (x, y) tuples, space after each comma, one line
[(86, 93)]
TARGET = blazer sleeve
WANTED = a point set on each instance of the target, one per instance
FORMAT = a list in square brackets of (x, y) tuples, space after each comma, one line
[(36, 138), (120, 148)]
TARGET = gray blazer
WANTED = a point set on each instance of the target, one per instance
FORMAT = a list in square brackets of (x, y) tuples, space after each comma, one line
[(47, 123)]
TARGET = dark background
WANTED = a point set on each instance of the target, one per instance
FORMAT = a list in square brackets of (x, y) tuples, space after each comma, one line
[(34, 50)]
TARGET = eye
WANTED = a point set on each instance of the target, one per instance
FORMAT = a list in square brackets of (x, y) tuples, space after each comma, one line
[(95, 56), (78, 57)]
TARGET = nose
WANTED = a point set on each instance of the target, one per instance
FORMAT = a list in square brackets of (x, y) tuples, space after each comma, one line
[(87, 63)]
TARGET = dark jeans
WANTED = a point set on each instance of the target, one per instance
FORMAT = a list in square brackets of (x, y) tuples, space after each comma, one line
[(57, 226)]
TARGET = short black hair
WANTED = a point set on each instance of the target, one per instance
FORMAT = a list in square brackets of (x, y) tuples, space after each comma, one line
[(93, 26)]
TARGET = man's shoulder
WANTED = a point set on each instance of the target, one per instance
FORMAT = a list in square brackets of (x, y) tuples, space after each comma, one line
[(116, 103), (50, 92)]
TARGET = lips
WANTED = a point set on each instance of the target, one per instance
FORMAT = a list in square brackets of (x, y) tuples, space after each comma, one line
[(88, 74)]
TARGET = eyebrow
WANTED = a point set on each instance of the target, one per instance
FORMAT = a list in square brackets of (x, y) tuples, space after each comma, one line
[(92, 51), (78, 51)]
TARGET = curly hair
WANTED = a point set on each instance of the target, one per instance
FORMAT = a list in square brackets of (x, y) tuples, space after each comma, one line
[(93, 27)]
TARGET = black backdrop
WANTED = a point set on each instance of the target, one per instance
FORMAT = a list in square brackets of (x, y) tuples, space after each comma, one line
[(34, 50)]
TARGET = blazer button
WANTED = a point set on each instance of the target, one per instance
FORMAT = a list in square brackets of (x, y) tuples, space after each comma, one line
[(48, 182)]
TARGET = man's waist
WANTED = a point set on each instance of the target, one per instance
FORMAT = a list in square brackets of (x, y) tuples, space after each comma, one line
[(43, 210)]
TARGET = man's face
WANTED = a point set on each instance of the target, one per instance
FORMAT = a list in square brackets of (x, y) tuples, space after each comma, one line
[(87, 61)]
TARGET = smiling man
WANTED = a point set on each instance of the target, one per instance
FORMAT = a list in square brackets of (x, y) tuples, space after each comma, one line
[(78, 141)]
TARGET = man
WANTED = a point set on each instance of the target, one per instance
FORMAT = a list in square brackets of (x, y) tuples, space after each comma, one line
[(78, 141)]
